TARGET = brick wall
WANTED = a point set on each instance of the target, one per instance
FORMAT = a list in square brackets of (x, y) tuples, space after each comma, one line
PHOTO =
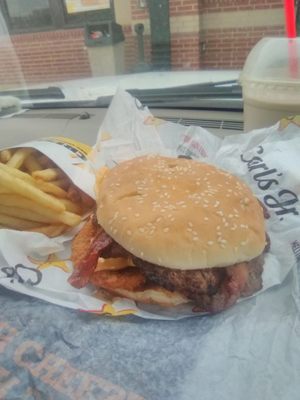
[(44, 57), (228, 48), (138, 12), (238, 5), (184, 7), (249, 21), (185, 51)]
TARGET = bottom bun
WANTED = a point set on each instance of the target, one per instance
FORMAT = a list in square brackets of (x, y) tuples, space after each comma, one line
[(153, 295)]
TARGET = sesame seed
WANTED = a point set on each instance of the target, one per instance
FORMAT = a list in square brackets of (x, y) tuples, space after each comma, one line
[(128, 232), (195, 238), (218, 227), (230, 216), (136, 214), (190, 224), (205, 219), (244, 242), (166, 230), (210, 243)]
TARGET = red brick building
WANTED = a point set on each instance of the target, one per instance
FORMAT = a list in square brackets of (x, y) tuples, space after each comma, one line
[(198, 34)]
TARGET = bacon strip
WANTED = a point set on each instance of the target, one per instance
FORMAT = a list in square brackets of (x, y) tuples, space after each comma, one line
[(85, 267)]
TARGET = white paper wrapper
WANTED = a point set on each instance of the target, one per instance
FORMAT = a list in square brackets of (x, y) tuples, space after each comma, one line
[(267, 160)]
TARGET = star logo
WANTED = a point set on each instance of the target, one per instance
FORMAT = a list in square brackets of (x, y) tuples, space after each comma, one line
[(51, 261), (285, 122), (110, 310)]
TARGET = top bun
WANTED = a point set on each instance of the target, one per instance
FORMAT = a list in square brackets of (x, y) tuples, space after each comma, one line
[(180, 213)]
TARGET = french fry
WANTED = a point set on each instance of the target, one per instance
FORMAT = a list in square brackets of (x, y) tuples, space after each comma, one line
[(25, 189), (23, 214), (5, 156), (31, 164), (40, 197), (15, 201), (50, 188), (18, 157), (72, 207), (49, 174), (50, 230), (3, 190), (46, 187), (63, 183), (18, 174), (17, 223)]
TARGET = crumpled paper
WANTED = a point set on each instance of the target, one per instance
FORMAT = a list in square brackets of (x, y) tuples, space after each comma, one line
[(266, 159)]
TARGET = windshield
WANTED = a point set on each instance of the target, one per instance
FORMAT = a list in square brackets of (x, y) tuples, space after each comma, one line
[(178, 51)]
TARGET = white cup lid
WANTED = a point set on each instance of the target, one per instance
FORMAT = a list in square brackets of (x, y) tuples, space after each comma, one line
[(273, 60)]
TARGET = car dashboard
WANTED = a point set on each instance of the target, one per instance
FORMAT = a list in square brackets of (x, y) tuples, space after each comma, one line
[(85, 122)]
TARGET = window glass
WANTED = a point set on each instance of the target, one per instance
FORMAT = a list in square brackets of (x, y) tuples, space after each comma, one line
[(151, 44), (34, 13)]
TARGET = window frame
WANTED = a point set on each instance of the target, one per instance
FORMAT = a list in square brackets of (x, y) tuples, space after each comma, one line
[(60, 18)]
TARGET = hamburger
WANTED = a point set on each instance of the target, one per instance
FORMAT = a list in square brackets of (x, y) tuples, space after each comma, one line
[(171, 231)]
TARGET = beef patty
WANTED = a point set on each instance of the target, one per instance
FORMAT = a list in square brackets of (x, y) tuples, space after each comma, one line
[(211, 289)]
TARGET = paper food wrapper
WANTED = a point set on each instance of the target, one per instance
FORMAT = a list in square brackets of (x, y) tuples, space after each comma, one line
[(267, 160)]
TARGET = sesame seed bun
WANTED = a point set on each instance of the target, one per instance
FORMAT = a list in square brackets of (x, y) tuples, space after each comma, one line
[(180, 213)]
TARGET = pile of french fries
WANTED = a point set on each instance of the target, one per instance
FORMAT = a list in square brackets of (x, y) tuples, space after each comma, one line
[(36, 196)]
